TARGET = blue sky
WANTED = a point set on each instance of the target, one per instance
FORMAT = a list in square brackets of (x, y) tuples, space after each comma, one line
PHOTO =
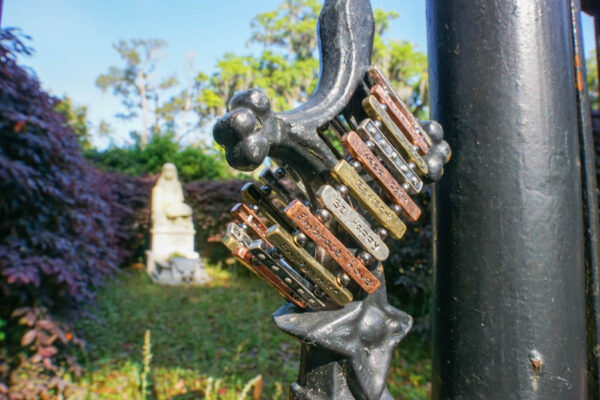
[(73, 38)]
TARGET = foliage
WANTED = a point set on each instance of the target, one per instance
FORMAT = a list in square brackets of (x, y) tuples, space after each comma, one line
[(408, 269), (60, 235), (76, 118), (211, 202), (193, 162), (593, 86), (592, 80), (146, 365), (206, 343), (287, 67)]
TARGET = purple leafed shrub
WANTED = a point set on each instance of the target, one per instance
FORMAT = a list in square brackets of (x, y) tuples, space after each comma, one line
[(211, 202), (64, 225)]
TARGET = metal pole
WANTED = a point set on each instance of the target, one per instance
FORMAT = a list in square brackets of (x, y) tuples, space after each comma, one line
[(591, 223), (509, 315)]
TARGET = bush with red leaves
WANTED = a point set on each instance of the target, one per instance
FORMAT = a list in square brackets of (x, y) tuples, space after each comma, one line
[(212, 201), (64, 225)]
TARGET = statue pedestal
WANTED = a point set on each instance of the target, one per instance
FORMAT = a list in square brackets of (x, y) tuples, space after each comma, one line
[(173, 242), (177, 270), (172, 259)]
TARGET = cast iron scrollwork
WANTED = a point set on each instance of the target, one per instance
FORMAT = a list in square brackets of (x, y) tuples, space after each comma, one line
[(346, 345)]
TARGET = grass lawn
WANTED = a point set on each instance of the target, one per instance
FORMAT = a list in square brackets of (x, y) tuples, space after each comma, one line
[(206, 342)]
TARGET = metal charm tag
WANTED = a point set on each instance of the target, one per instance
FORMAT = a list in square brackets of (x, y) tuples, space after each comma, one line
[(399, 118), (245, 257), (344, 174), (297, 256), (279, 267), (361, 152), (399, 168), (314, 229), (269, 178), (251, 193), (393, 133), (379, 78), (249, 217), (235, 237), (353, 222)]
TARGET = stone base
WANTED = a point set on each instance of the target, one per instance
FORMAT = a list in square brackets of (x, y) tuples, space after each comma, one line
[(177, 271), (170, 243)]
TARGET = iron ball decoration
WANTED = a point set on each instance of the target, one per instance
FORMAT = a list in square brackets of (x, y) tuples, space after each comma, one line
[(320, 244)]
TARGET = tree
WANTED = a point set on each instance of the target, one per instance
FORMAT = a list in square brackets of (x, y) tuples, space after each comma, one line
[(175, 112), (76, 118), (287, 67), (134, 82)]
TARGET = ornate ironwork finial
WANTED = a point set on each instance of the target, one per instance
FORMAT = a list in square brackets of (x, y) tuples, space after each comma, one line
[(319, 249)]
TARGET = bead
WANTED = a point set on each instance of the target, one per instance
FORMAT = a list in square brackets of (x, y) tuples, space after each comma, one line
[(343, 279), (324, 215), (300, 239), (343, 190), (266, 190), (383, 233), (366, 258), (279, 173)]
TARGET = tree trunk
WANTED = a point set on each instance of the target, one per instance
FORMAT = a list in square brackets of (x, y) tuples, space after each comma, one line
[(141, 85)]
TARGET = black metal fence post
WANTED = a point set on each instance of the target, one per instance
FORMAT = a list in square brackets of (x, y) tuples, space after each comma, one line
[(509, 315), (591, 222)]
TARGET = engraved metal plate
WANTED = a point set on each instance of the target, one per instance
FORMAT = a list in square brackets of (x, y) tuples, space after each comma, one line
[(251, 193), (315, 230), (235, 237), (399, 118), (353, 222), (245, 257), (379, 78), (399, 168), (301, 259), (344, 174), (361, 152), (393, 133), (279, 267), (268, 178), (249, 217)]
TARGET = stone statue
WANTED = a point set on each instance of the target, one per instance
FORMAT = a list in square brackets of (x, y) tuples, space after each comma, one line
[(169, 212), (172, 259)]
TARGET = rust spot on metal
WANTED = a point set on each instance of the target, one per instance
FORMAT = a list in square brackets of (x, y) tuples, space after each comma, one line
[(578, 64), (536, 362), (535, 358)]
